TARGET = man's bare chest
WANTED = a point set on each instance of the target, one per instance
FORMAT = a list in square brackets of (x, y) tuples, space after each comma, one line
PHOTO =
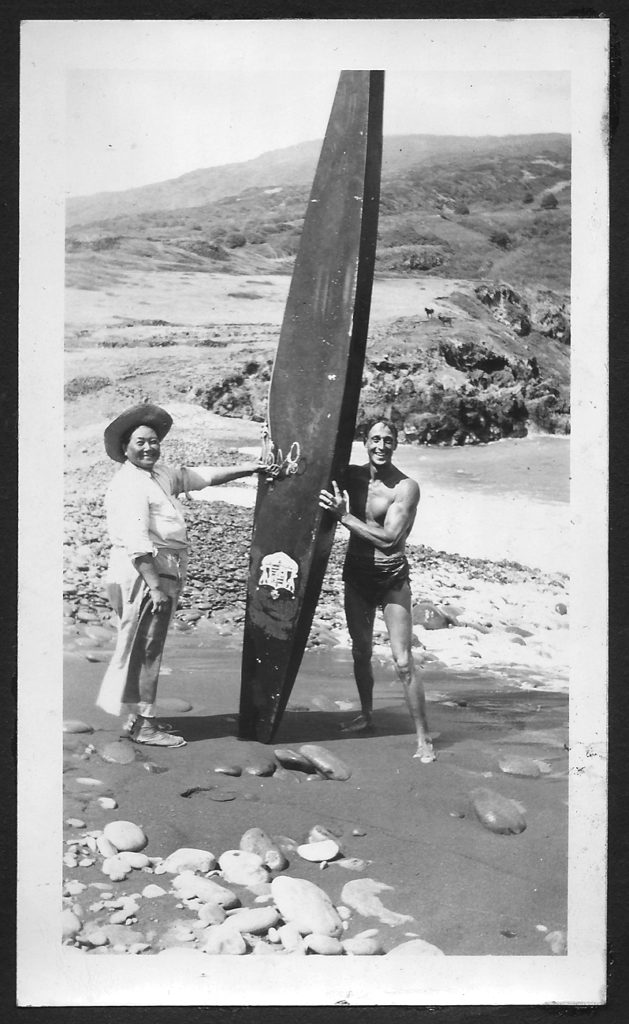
[(373, 499)]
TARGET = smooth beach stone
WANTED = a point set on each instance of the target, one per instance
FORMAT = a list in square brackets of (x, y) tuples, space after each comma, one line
[(514, 765), (561, 608), (324, 945), (190, 886), (255, 840), (363, 945), (153, 891), (173, 705), (361, 894), (256, 920), (74, 888), (107, 803), (125, 835), (325, 849), (229, 769), (319, 832), (557, 942), (305, 905), (290, 937), (426, 614), (416, 947), (187, 859), (242, 868), (285, 843), (75, 823), (70, 925), (118, 752), (89, 783), (496, 812), (115, 868), (105, 847), (327, 763), (263, 768), (75, 725), (224, 938), (293, 759), (137, 861), (210, 913), (352, 863)]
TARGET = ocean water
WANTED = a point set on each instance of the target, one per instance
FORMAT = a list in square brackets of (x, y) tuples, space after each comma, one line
[(505, 500)]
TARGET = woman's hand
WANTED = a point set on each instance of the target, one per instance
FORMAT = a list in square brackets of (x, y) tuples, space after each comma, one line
[(337, 503), (159, 600)]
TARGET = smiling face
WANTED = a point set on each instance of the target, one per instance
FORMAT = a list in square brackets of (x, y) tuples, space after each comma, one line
[(143, 448), (380, 444)]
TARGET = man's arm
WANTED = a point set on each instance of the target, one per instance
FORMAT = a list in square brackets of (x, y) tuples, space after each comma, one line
[(397, 522), (195, 478)]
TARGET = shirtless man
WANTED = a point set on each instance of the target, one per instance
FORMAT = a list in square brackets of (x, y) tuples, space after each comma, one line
[(383, 503)]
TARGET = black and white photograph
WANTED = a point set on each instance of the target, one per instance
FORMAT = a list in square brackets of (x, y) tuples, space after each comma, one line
[(313, 506)]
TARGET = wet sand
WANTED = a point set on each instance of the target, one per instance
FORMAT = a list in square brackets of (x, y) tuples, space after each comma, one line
[(468, 890)]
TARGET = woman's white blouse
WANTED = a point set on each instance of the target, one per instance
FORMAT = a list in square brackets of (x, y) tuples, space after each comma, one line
[(142, 510)]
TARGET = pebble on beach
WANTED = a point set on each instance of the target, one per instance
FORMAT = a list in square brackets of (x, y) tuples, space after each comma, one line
[(242, 868), (255, 840), (324, 850), (363, 945), (187, 859), (324, 945), (125, 835), (224, 938), (118, 752), (293, 759), (256, 920), (305, 905), (327, 763), (190, 886), (416, 947), (496, 812), (75, 725)]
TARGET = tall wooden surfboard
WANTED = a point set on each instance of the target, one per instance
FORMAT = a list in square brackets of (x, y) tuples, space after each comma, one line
[(313, 401)]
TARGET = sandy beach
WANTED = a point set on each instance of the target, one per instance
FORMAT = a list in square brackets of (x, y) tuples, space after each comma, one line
[(494, 662)]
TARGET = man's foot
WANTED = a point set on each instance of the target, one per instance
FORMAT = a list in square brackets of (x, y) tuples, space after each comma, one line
[(362, 724), (425, 752), (146, 731)]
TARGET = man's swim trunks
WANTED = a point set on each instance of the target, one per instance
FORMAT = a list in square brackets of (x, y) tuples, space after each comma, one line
[(375, 580)]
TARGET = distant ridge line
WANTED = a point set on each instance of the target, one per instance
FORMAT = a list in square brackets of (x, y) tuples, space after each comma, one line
[(293, 165)]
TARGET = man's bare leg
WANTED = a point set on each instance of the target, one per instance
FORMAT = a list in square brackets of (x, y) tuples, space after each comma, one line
[(360, 616), (399, 623)]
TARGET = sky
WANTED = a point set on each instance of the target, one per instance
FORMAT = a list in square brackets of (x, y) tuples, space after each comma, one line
[(127, 127)]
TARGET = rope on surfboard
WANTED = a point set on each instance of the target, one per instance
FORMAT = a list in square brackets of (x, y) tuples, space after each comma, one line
[(277, 466)]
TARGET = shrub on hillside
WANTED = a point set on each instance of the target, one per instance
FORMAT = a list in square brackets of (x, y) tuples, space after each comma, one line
[(501, 239), (461, 208), (84, 386), (235, 240), (549, 201)]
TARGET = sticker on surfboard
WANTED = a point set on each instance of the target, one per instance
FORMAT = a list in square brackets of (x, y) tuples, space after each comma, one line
[(278, 572)]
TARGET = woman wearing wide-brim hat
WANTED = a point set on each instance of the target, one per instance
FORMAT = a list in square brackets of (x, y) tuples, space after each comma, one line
[(147, 565)]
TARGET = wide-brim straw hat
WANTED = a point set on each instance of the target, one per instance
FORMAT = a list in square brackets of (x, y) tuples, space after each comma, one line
[(143, 415)]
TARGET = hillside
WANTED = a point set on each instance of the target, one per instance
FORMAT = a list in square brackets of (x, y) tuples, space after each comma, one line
[(480, 227), (451, 207)]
